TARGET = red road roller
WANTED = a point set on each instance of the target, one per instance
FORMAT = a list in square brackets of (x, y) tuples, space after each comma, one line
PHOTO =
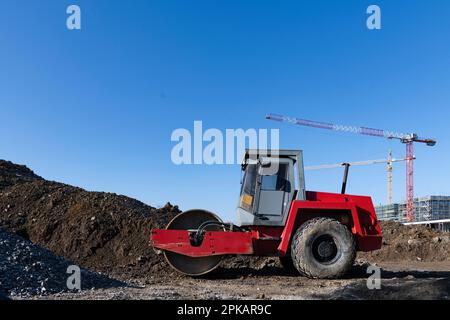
[(315, 233)]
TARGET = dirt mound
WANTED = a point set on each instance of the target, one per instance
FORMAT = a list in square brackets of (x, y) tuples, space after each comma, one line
[(11, 174), (27, 269), (410, 243), (100, 231)]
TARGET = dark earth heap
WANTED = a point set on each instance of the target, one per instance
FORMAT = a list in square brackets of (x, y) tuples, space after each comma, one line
[(100, 231)]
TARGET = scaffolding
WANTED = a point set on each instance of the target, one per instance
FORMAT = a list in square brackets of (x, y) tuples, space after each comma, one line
[(388, 212), (428, 208)]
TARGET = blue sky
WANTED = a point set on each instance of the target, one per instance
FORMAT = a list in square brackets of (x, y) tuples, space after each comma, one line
[(96, 108)]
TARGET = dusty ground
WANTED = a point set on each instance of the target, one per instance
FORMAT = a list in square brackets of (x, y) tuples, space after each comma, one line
[(412, 281)]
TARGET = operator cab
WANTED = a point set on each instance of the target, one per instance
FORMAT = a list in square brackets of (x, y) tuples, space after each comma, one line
[(271, 180)]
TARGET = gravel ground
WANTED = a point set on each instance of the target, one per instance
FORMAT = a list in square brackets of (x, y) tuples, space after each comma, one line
[(397, 282), (27, 270)]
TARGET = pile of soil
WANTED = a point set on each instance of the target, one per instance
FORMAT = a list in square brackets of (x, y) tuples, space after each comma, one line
[(11, 174), (99, 231), (410, 243)]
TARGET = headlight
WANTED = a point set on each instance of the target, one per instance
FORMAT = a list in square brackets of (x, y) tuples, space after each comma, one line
[(246, 201)]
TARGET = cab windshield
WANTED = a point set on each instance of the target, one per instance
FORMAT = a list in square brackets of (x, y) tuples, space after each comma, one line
[(248, 188)]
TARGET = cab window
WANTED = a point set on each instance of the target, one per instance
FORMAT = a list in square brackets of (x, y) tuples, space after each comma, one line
[(276, 182)]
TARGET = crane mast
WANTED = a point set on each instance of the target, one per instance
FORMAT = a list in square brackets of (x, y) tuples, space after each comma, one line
[(389, 169)]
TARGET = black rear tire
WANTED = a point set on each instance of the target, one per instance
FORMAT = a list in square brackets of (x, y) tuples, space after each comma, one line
[(323, 248)]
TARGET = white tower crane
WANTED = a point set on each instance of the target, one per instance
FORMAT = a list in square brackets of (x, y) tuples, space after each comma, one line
[(389, 161)]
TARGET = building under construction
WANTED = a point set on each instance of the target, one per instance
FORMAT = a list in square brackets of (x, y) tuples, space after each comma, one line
[(433, 210)]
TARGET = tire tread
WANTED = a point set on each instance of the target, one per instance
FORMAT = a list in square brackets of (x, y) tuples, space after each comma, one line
[(301, 233)]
